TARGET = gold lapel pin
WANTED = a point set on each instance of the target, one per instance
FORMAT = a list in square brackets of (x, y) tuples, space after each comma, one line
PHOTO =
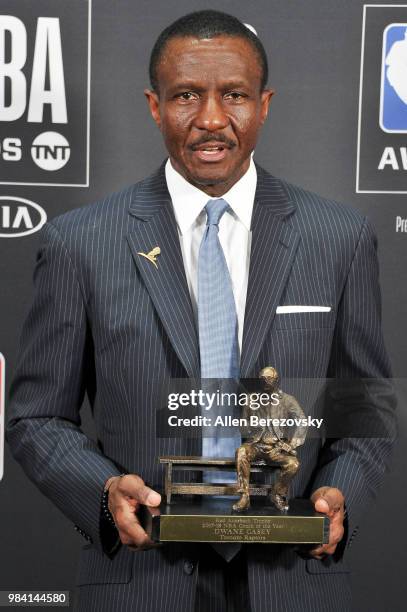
[(152, 255)]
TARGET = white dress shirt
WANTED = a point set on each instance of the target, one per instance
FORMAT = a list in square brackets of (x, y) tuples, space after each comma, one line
[(234, 232)]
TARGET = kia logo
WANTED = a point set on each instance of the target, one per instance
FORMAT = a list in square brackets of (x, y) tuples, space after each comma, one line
[(20, 217)]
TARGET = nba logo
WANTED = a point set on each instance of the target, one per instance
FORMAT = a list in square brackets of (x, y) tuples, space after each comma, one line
[(393, 94), (2, 393)]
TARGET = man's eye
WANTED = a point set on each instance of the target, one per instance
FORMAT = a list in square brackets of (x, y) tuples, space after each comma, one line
[(235, 95), (185, 95)]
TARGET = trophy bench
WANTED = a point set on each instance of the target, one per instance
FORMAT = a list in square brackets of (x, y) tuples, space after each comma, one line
[(207, 464)]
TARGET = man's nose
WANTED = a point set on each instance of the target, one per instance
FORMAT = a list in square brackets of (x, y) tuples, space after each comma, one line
[(211, 115)]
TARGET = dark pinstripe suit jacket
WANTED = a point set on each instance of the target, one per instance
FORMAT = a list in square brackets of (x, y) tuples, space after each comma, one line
[(105, 322)]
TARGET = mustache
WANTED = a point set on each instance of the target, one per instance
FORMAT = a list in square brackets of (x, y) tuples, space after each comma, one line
[(219, 138)]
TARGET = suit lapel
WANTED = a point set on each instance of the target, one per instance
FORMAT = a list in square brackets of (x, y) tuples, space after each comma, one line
[(274, 244), (155, 226)]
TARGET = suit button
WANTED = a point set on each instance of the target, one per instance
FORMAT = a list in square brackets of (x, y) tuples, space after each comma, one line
[(188, 567)]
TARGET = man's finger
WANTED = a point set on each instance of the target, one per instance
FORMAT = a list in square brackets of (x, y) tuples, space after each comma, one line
[(133, 486), (328, 500), (325, 549), (130, 531), (318, 553), (136, 538), (321, 505)]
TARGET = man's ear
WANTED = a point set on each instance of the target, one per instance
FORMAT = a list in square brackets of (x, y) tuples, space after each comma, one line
[(266, 96), (154, 104)]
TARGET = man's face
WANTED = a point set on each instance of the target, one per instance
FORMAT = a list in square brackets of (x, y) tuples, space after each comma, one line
[(209, 108)]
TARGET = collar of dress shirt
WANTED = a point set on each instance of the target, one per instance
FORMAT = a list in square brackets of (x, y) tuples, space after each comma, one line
[(189, 201)]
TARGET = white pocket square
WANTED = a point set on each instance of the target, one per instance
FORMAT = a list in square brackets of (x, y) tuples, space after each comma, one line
[(292, 309)]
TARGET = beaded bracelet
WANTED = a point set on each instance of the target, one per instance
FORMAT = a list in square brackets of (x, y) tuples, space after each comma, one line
[(105, 504)]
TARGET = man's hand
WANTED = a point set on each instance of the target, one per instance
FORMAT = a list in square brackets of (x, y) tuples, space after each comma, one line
[(331, 502), (126, 494)]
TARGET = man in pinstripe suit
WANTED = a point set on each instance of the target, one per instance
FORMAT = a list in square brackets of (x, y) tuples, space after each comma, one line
[(113, 320)]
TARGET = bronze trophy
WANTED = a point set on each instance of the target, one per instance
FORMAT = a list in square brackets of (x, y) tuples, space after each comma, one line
[(202, 511), (269, 445)]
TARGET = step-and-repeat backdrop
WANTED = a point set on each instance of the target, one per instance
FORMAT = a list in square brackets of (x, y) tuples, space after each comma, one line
[(74, 126)]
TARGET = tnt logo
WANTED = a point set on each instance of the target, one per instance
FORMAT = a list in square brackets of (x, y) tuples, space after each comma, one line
[(50, 151), (393, 98), (2, 394)]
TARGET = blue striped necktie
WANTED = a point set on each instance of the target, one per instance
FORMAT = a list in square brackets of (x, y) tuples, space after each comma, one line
[(218, 340), (216, 304)]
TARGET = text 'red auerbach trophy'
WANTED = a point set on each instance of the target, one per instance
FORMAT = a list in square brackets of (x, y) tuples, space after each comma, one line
[(264, 513)]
